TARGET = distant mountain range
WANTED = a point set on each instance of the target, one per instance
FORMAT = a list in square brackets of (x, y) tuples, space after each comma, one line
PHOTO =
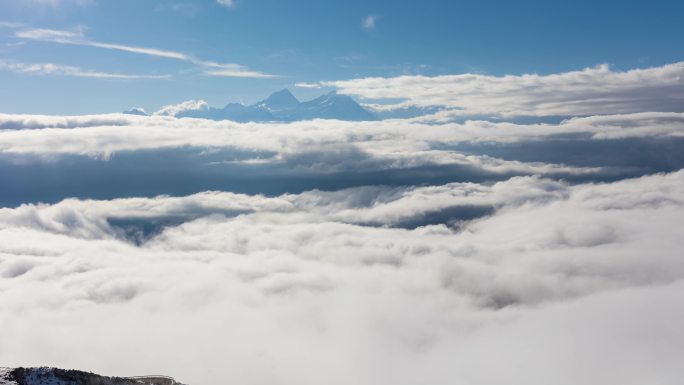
[(282, 106)]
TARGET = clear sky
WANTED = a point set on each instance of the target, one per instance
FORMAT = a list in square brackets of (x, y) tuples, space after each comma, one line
[(242, 50)]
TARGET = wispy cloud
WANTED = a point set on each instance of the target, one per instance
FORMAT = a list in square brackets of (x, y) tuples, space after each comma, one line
[(78, 38), (236, 71), (369, 21), (188, 9), (226, 3), (57, 3), (56, 69), (10, 24), (307, 85)]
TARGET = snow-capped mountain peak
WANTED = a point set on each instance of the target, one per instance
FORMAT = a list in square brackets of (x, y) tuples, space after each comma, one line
[(280, 106), (280, 100)]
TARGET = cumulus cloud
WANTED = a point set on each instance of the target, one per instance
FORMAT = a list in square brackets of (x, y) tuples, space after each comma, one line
[(330, 282), (369, 22), (76, 37), (175, 109), (56, 69), (591, 91)]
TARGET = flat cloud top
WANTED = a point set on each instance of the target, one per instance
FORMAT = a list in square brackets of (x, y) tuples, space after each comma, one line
[(400, 143), (253, 279), (104, 134), (135, 155), (591, 91)]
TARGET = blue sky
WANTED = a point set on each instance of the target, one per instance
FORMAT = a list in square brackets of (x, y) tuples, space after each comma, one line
[(309, 41)]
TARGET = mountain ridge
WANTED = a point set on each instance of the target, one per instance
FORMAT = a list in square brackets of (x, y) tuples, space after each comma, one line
[(280, 106), (56, 376)]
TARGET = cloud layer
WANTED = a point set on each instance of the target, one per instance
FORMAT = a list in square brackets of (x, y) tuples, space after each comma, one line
[(591, 91), (331, 282), (49, 158), (402, 251), (104, 134)]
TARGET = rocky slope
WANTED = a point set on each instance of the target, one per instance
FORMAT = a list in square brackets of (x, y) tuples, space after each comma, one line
[(55, 376)]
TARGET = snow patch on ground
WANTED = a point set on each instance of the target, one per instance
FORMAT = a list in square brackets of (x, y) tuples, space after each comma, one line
[(4, 376)]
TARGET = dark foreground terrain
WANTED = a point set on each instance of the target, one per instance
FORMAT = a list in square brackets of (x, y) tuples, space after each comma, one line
[(55, 376)]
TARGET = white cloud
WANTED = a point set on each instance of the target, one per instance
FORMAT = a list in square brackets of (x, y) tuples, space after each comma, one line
[(591, 91), (320, 146), (175, 109), (10, 24), (298, 290), (392, 138), (20, 122), (56, 69), (307, 85), (77, 38), (183, 8), (233, 70), (226, 3), (57, 3), (273, 158), (369, 21), (52, 35)]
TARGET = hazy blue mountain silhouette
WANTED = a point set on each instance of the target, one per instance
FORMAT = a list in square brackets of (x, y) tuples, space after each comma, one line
[(136, 111), (331, 106), (232, 111), (280, 103), (282, 106)]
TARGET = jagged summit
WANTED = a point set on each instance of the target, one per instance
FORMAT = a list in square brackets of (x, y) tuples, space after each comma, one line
[(55, 376), (332, 106), (279, 100), (280, 106)]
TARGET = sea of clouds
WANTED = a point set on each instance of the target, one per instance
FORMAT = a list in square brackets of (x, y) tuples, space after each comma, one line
[(401, 251)]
